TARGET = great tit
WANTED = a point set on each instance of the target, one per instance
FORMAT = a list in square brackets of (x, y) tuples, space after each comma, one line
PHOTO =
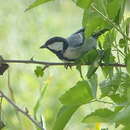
[(71, 48)]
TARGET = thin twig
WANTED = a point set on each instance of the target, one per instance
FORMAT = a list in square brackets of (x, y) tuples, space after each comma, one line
[(20, 110), (56, 63)]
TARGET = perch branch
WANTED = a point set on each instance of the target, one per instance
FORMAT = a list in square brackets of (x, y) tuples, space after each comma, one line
[(57, 63), (24, 112)]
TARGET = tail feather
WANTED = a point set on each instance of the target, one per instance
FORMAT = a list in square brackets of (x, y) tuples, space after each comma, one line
[(96, 35), (81, 30)]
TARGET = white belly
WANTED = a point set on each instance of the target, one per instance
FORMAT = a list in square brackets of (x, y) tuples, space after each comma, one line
[(76, 52), (73, 53)]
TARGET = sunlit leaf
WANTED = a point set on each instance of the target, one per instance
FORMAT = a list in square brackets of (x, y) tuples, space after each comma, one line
[(99, 116), (37, 3), (79, 94), (64, 116)]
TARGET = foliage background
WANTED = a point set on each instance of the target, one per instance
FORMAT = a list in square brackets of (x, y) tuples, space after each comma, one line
[(21, 35)]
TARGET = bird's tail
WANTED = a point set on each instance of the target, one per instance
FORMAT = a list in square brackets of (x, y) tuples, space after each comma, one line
[(97, 34)]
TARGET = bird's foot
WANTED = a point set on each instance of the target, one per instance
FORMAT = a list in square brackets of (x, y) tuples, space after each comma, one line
[(68, 66)]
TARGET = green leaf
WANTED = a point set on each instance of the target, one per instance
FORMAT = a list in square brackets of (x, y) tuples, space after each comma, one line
[(39, 71), (123, 117), (92, 69), (122, 43), (109, 38), (119, 81), (127, 26), (78, 67), (92, 21), (78, 95), (105, 7), (115, 13), (119, 99), (64, 116), (127, 127), (88, 58), (108, 56), (84, 3), (89, 23), (127, 23), (128, 62), (99, 116), (116, 88), (93, 84), (37, 3), (128, 93)]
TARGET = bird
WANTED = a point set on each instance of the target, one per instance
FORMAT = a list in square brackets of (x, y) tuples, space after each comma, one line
[(73, 47)]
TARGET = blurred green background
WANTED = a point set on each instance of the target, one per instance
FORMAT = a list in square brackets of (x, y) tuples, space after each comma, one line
[(21, 35)]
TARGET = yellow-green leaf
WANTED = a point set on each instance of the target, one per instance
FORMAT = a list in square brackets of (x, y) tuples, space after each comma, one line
[(37, 3)]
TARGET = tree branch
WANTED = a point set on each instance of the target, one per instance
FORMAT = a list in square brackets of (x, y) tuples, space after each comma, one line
[(56, 63), (24, 112)]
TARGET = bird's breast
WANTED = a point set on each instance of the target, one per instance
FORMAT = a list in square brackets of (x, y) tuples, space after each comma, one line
[(72, 53)]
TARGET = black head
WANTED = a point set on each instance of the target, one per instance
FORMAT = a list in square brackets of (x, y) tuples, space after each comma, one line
[(56, 44)]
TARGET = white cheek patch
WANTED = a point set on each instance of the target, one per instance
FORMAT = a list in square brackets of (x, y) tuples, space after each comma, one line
[(58, 46)]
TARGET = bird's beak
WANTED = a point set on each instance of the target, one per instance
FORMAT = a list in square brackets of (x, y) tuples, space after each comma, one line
[(43, 46)]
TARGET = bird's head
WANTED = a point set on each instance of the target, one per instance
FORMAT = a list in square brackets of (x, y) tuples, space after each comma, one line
[(56, 44)]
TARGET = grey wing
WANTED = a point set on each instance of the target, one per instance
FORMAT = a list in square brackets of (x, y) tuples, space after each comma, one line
[(76, 39)]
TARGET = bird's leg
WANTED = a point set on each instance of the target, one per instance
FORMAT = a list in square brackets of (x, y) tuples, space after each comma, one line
[(68, 65)]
